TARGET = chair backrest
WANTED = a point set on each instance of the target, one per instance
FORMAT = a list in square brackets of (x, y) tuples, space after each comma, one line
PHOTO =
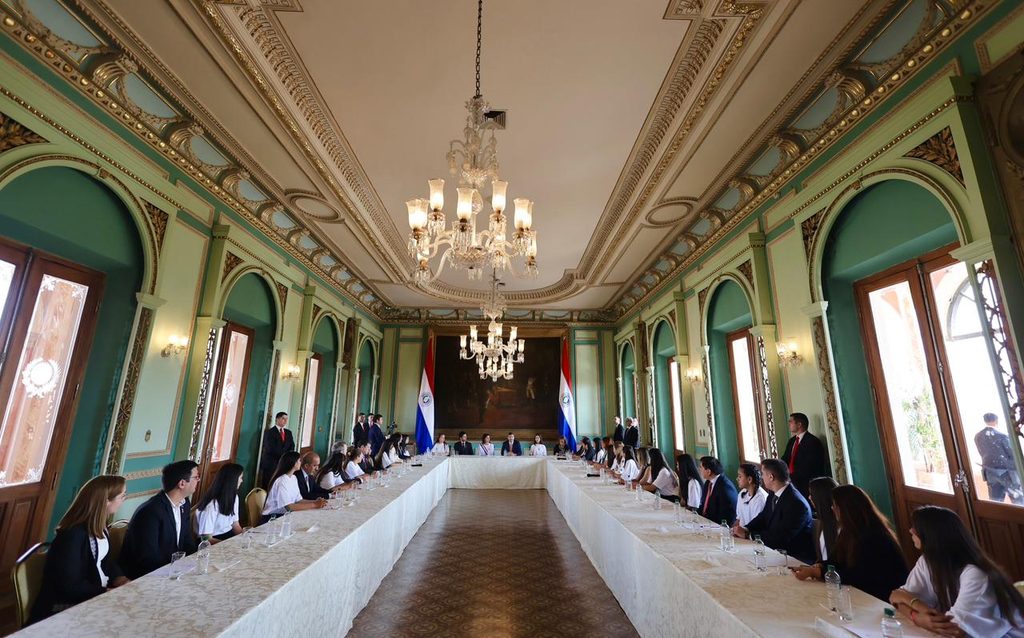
[(115, 536), (254, 502), (27, 575)]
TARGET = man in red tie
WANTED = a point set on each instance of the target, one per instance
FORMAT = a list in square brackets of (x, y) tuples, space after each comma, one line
[(277, 439), (718, 498), (805, 455)]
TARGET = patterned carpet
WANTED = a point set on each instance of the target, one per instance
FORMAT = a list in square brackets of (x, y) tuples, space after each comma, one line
[(547, 587)]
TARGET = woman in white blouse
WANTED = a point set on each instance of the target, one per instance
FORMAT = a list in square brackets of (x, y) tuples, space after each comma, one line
[(826, 527), (955, 585), (331, 476), (628, 469), (664, 481), (538, 448), (440, 447), (354, 470), (752, 497), (690, 483), (217, 511), (387, 455), (284, 495), (486, 448), (618, 457)]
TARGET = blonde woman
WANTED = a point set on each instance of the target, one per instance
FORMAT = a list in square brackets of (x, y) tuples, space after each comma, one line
[(78, 565)]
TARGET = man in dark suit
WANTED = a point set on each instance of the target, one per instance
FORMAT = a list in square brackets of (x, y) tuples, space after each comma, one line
[(306, 476), (997, 464), (631, 437), (805, 456), (511, 447), (785, 522), (376, 434), (360, 431), (162, 525), (367, 465), (619, 432), (463, 447), (277, 440), (718, 496)]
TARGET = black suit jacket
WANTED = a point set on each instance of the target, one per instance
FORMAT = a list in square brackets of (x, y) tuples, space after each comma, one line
[(464, 448), (785, 523), (516, 448), (273, 449), (309, 488), (722, 506), (811, 461), (70, 575), (619, 433), (631, 437), (150, 540), (360, 433)]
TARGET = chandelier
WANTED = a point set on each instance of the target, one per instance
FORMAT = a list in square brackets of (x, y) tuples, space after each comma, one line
[(473, 160), (494, 357)]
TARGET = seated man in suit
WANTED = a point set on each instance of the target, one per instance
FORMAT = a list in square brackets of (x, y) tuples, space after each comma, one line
[(366, 465), (785, 522), (161, 526), (718, 496), (805, 456), (306, 476), (463, 446), (511, 447)]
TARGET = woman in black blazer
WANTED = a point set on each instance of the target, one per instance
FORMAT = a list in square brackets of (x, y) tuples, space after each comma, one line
[(79, 565)]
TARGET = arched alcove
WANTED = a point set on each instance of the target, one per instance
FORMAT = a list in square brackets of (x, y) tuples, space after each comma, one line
[(628, 363), (728, 315), (325, 350), (664, 350)]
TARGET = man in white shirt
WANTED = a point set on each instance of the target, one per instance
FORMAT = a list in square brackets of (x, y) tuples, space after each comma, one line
[(161, 527)]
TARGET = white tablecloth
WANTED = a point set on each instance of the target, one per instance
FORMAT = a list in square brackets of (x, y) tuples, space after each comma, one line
[(497, 473)]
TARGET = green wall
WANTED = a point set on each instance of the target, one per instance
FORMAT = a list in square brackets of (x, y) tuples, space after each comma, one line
[(365, 388), (889, 223), (628, 378), (325, 343), (664, 350), (729, 311), (65, 212)]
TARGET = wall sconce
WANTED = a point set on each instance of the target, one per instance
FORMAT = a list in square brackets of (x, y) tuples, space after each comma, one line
[(175, 346), (788, 355), (693, 376), (292, 373)]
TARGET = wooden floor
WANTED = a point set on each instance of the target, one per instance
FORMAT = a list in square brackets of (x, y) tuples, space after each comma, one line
[(453, 581)]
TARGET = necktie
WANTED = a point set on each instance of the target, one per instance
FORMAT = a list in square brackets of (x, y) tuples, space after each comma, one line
[(282, 434), (708, 486), (792, 456)]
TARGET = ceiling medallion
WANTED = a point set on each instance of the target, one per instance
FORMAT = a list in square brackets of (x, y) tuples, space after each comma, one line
[(474, 160)]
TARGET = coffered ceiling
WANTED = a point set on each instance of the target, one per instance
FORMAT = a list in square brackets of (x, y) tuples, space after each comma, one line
[(640, 128)]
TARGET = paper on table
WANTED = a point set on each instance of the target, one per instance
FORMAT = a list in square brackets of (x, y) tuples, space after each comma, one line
[(185, 566), (865, 625), (825, 628)]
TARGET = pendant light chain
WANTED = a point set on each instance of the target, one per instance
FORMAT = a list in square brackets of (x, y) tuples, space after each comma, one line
[(479, 39)]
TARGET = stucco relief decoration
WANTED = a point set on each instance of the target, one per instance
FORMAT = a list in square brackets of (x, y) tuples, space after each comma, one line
[(131, 383), (828, 392), (13, 134), (809, 228), (158, 222), (940, 150), (706, 372), (231, 261), (282, 294), (316, 311), (701, 298), (766, 387), (204, 393), (747, 270), (273, 386)]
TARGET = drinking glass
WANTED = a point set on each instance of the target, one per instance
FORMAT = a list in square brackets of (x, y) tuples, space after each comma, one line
[(784, 566), (247, 542), (677, 512), (177, 565)]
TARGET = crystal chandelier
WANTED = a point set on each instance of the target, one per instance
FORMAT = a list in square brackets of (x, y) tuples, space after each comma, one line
[(474, 161), (494, 357)]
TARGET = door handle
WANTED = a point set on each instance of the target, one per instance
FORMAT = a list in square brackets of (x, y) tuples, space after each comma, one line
[(960, 480)]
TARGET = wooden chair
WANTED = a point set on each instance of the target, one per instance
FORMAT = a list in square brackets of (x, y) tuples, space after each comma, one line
[(1020, 586), (254, 502), (27, 575), (115, 536)]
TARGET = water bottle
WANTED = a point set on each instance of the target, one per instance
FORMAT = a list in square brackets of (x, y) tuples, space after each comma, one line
[(832, 586), (891, 628), (760, 558), (657, 499), (203, 556), (724, 534)]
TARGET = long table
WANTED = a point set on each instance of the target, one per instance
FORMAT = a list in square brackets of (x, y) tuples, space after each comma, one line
[(669, 581)]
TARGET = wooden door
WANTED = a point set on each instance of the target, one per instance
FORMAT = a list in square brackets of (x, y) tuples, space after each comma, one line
[(934, 381), (745, 392), (224, 425), (47, 323)]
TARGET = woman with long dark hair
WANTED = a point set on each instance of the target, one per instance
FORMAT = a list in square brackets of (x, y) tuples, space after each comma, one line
[(865, 553), (331, 476), (690, 483), (955, 588), (284, 495), (826, 527), (217, 510), (628, 469), (661, 479), (752, 497)]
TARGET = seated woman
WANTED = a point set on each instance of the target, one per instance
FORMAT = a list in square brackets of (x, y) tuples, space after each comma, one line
[(955, 588), (601, 450), (402, 448), (440, 447), (690, 484), (217, 511), (643, 462), (752, 497), (331, 476), (78, 565), (561, 448), (826, 527), (486, 448), (284, 495), (866, 553), (617, 457), (387, 455), (354, 468), (628, 470), (538, 448), (664, 482)]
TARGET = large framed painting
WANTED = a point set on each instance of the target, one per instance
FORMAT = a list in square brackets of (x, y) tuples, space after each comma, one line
[(526, 403)]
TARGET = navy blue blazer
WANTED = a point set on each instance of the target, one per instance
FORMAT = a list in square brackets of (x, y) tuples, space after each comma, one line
[(786, 523), (516, 448), (150, 540), (722, 505), (376, 439), (69, 575)]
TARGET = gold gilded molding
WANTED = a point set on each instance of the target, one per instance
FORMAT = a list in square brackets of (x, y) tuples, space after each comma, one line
[(282, 294), (14, 134), (158, 221), (940, 150), (231, 261), (822, 354), (747, 270), (205, 380), (126, 405), (808, 229)]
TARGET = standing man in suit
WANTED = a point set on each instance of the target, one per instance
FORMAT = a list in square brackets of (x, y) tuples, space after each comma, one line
[(376, 434), (718, 496), (511, 447), (631, 437), (785, 522), (277, 440), (306, 476), (619, 432), (161, 526), (360, 431), (805, 456), (997, 465), (463, 447)]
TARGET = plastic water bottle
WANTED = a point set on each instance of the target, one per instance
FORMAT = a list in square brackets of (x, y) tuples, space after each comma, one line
[(891, 628), (724, 533), (203, 557), (657, 499), (760, 555), (832, 586)]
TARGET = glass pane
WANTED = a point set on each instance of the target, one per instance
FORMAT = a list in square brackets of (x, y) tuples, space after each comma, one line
[(6, 277), (911, 402), (309, 410), (230, 394), (677, 404), (996, 475), (746, 408), (32, 408)]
